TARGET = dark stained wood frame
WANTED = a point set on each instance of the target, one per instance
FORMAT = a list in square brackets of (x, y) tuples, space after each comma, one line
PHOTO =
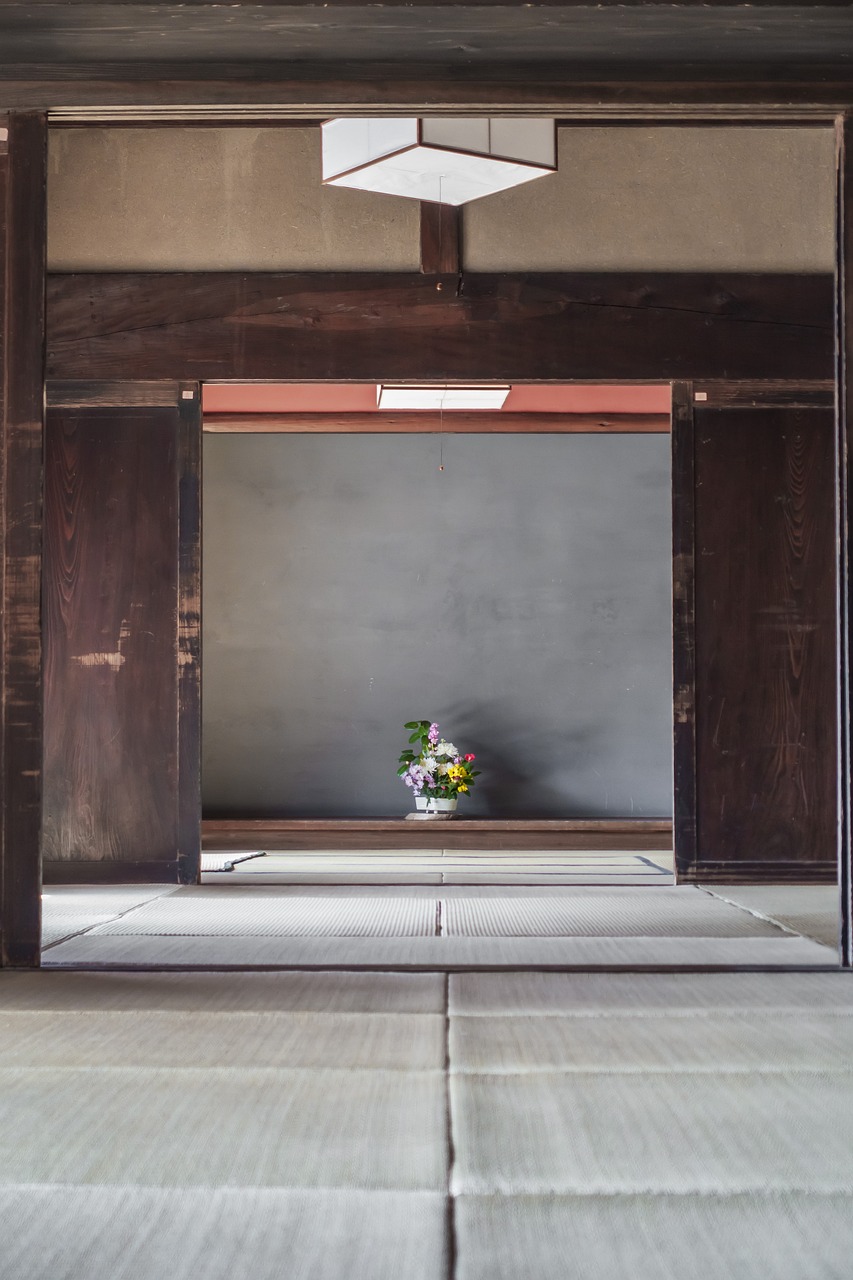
[(189, 634), (683, 630), (812, 98), (441, 240), (508, 327), (439, 424), (650, 835), (23, 221), (844, 463)]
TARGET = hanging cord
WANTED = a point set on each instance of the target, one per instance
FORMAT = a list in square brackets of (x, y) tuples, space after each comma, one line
[(441, 407)]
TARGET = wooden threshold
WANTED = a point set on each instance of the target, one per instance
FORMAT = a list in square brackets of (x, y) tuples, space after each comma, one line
[(108, 871), (460, 833)]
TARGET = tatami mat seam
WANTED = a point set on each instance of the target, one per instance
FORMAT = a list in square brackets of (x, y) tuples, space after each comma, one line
[(118, 915), (759, 915)]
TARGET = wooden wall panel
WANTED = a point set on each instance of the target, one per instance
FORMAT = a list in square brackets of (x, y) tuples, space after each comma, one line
[(765, 618), (22, 316), (120, 636)]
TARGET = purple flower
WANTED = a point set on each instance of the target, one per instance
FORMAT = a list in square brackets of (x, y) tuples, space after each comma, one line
[(433, 734)]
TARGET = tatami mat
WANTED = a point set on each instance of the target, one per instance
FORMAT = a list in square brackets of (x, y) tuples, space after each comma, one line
[(70, 909), (682, 1237), (612, 1134), (747, 1041), (338, 915), (437, 953), (211, 1128), (685, 995), (216, 1126), (440, 866), (223, 992), (419, 926), (677, 912), (389, 1041), (810, 909), (142, 1233)]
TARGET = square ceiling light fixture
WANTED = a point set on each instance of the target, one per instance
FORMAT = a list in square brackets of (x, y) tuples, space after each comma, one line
[(447, 161), (396, 396)]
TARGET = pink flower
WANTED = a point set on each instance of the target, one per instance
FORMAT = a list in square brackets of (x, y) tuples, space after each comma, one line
[(469, 758)]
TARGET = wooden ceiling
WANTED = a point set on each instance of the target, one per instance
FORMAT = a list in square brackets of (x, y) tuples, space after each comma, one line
[(641, 36), (271, 56)]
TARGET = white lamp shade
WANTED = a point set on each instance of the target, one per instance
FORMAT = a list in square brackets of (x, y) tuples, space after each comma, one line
[(397, 396), (448, 161)]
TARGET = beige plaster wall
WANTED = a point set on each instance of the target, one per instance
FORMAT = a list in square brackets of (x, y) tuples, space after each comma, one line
[(214, 200), (676, 199), (668, 199)]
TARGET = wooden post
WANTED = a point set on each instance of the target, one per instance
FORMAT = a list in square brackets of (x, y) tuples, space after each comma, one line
[(189, 634), (844, 349), (683, 629), (23, 172), (441, 239)]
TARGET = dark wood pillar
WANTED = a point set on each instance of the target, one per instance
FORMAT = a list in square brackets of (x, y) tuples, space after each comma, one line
[(683, 629), (23, 170), (844, 455), (121, 602)]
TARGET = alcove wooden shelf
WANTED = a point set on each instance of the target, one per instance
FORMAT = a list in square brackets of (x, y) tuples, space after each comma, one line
[(461, 833)]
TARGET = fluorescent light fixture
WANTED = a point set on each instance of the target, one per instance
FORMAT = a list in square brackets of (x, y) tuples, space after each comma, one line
[(446, 161), (485, 396)]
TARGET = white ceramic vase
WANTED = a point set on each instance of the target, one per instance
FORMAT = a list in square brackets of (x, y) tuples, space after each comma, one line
[(441, 806)]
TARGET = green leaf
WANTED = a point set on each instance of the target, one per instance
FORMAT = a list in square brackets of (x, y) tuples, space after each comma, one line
[(402, 770), (412, 724), (415, 737)]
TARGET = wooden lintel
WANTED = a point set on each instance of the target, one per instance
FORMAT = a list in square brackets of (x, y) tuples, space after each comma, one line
[(429, 422), (594, 326), (109, 92), (441, 239), (778, 394)]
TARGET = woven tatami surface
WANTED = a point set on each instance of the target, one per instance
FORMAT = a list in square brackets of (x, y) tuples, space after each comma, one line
[(352, 1126), (438, 866), (229, 924)]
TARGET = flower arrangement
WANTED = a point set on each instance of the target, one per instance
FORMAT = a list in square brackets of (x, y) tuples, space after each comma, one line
[(435, 768)]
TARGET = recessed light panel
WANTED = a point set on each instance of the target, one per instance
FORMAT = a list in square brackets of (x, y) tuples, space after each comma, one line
[(485, 396)]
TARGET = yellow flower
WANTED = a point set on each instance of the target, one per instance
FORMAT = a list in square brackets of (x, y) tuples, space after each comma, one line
[(463, 788)]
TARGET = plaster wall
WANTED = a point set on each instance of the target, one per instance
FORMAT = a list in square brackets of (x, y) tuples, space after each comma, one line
[(714, 199), (521, 597), (214, 200), (624, 199)]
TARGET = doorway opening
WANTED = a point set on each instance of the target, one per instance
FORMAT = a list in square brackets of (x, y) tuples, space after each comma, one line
[(505, 572)]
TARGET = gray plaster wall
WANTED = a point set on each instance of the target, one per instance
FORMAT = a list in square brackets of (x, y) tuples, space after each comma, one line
[(669, 199), (521, 597)]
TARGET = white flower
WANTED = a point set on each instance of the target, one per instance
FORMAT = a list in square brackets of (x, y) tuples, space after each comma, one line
[(428, 763), (442, 769), (446, 749)]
